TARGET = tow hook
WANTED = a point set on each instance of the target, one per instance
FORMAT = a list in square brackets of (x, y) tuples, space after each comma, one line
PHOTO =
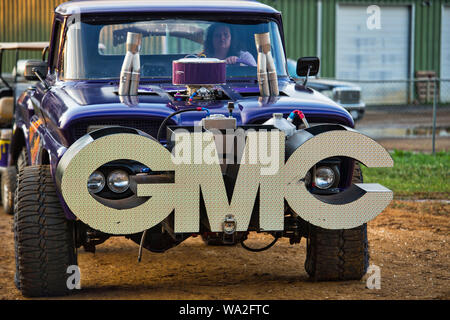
[(229, 229)]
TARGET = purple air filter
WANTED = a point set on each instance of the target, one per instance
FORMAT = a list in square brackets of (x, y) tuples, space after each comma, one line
[(198, 71)]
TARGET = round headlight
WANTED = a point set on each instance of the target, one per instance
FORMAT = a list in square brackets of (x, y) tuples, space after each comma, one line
[(118, 181), (324, 177), (96, 182)]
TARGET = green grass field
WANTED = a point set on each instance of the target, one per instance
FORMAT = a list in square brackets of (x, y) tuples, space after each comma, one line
[(414, 175)]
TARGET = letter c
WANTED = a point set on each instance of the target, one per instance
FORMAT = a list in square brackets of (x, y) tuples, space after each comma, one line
[(354, 206)]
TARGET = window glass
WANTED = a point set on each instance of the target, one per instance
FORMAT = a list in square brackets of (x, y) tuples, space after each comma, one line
[(96, 51)]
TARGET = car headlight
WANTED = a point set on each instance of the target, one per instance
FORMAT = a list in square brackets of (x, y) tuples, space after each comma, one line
[(324, 177), (96, 182), (118, 181)]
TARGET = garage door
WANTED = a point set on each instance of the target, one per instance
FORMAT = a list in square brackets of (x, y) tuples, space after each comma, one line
[(445, 55), (374, 54)]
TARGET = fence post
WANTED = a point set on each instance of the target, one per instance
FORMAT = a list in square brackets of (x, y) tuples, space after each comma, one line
[(434, 115), (411, 91)]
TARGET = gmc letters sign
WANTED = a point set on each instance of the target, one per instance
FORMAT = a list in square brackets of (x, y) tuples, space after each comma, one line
[(276, 181)]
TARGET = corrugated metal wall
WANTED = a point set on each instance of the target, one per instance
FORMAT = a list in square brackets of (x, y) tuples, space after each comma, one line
[(427, 38), (300, 26), (427, 28), (30, 20), (25, 20)]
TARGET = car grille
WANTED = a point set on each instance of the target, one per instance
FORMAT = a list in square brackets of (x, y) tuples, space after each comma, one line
[(149, 126), (347, 96)]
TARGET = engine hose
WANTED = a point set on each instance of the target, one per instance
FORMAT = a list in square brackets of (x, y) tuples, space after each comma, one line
[(259, 249), (158, 136), (192, 96)]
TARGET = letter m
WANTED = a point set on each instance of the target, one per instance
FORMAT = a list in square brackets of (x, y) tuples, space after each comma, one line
[(208, 179)]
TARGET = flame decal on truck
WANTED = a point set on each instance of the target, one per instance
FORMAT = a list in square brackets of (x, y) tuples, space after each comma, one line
[(34, 140)]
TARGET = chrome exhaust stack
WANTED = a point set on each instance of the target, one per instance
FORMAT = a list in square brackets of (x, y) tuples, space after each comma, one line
[(131, 67), (267, 74)]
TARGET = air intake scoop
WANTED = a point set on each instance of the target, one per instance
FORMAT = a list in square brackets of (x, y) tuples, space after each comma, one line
[(198, 72)]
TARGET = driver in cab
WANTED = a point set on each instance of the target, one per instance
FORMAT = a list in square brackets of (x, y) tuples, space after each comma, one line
[(219, 44)]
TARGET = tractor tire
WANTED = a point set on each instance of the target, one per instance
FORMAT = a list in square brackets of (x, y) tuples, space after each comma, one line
[(44, 238), (337, 255), (8, 185)]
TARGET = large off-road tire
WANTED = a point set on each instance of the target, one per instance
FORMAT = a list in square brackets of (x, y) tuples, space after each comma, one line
[(8, 182), (8, 186), (44, 238), (22, 160), (334, 255)]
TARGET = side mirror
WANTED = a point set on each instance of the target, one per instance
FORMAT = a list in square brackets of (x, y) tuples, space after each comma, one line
[(35, 70), (308, 66)]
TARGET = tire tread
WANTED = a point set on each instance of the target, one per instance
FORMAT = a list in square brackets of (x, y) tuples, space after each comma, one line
[(44, 238)]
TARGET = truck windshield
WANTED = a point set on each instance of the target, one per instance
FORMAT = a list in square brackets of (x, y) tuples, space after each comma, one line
[(94, 50)]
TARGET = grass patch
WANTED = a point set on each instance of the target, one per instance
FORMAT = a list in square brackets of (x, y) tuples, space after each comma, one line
[(414, 175)]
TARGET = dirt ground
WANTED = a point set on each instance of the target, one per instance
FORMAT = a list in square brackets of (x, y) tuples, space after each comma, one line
[(408, 241)]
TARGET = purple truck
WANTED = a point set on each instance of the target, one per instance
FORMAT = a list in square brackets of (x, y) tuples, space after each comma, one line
[(99, 141)]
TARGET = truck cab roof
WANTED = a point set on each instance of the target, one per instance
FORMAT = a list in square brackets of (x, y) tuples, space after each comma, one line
[(98, 6)]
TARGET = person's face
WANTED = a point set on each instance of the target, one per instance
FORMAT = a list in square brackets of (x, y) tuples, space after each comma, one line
[(221, 38)]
